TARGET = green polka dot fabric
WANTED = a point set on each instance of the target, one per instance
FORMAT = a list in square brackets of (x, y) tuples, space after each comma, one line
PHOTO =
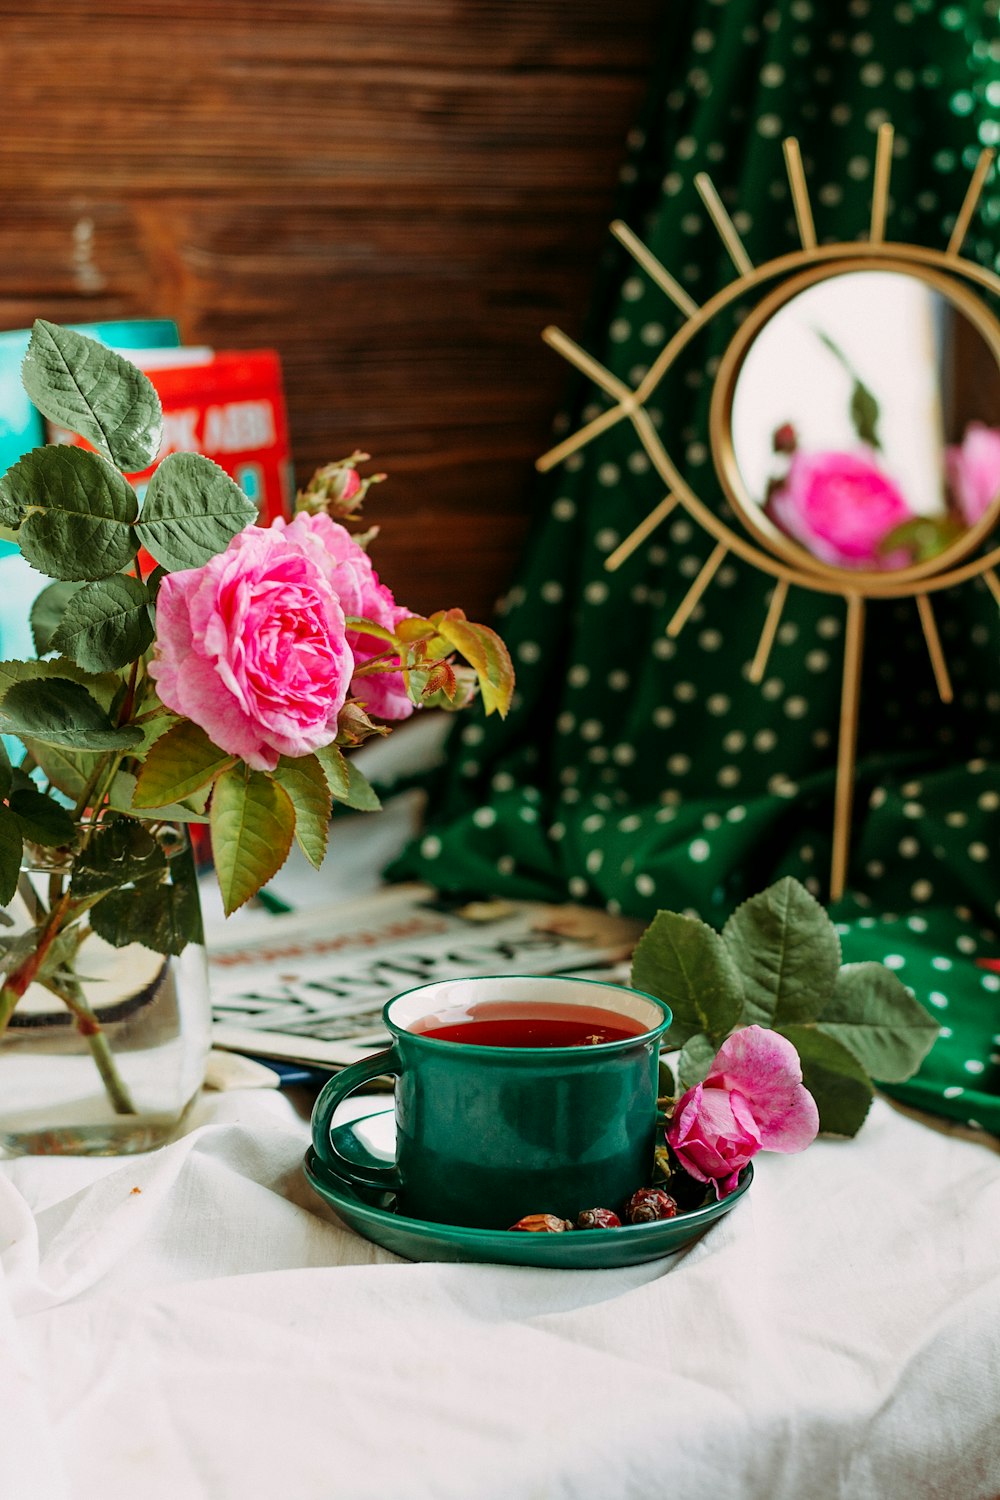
[(638, 772)]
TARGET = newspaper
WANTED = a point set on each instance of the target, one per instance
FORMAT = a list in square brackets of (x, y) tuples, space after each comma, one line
[(310, 986)]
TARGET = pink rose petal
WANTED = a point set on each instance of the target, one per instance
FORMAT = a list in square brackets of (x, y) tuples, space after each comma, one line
[(764, 1068), (974, 471), (349, 570), (253, 648), (839, 506)]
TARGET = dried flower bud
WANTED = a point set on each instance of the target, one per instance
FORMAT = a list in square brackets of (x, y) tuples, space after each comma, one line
[(543, 1224), (785, 439), (598, 1218), (649, 1204)]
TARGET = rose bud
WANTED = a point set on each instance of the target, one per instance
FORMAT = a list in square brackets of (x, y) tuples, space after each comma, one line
[(598, 1218), (649, 1204), (543, 1224)]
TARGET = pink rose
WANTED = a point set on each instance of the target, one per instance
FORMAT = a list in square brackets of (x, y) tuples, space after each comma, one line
[(839, 506), (253, 648), (348, 568), (752, 1099), (974, 471)]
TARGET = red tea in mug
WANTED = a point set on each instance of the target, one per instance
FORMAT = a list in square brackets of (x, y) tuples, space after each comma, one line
[(499, 1023)]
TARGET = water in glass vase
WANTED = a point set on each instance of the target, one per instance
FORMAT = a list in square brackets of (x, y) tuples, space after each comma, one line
[(115, 1070)]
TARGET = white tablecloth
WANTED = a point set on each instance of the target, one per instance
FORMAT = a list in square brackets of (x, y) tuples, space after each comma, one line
[(195, 1325)]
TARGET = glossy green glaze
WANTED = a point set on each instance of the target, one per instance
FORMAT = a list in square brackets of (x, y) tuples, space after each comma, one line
[(369, 1212), (486, 1135)]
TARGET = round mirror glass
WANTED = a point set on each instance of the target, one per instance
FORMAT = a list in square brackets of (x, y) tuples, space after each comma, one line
[(865, 424)]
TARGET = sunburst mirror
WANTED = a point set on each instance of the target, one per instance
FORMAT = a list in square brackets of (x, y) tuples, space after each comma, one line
[(834, 489)]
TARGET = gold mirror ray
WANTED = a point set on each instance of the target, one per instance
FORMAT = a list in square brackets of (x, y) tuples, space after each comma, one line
[(764, 547)]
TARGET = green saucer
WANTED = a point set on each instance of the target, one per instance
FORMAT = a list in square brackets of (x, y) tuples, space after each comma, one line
[(369, 1213)]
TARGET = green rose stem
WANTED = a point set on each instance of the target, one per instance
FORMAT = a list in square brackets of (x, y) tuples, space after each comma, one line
[(18, 982), (89, 1027), (72, 996), (69, 991)]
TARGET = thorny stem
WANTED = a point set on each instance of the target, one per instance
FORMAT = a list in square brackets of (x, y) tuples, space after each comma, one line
[(69, 990), (16, 983)]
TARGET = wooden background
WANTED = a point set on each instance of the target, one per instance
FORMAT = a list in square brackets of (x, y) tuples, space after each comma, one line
[(396, 194)]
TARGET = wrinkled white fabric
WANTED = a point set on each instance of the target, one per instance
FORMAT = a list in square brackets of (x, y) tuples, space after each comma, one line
[(217, 1335)]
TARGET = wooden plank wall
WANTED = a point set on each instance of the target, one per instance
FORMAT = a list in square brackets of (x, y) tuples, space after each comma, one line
[(396, 194)]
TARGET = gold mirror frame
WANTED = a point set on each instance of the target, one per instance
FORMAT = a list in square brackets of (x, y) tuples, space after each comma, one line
[(871, 584), (811, 263)]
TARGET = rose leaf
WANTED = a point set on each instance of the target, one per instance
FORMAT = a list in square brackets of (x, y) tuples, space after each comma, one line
[(684, 961), (788, 952), (253, 823), (192, 511)]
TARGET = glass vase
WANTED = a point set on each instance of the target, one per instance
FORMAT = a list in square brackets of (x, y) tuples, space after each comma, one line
[(111, 1064)]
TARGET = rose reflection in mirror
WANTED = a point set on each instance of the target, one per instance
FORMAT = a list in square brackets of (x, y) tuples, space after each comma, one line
[(866, 421)]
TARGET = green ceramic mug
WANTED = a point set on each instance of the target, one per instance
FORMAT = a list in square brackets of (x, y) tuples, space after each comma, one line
[(486, 1134)]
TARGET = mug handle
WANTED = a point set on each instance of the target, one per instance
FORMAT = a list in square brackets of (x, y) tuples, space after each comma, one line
[(334, 1091)]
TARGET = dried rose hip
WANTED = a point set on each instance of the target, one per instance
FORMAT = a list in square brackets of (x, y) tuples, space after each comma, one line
[(543, 1224), (598, 1218), (649, 1204)]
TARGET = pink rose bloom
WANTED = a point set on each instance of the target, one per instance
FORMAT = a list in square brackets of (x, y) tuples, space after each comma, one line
[(348, 568), (839, 506), (974, 471), (753, 1099), (253, 648)]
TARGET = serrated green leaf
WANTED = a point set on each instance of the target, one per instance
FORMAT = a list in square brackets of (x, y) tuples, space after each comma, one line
[(61, 712), (833, 1075), (47, 612), (304, 781), (873, 1014), (102, 689), (177, 764), (253, 823), (43, 820), (486, 653), (82, 385), (334, 766), (684, 961), (192, 510), (11, 845), (121, 852), (361, 795), (121, 798), (6, 773), (106, 625), (152, 730), (77, 513), (160, 915), (69, 770), (787, 950), (695, 1059), (346, 782)]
